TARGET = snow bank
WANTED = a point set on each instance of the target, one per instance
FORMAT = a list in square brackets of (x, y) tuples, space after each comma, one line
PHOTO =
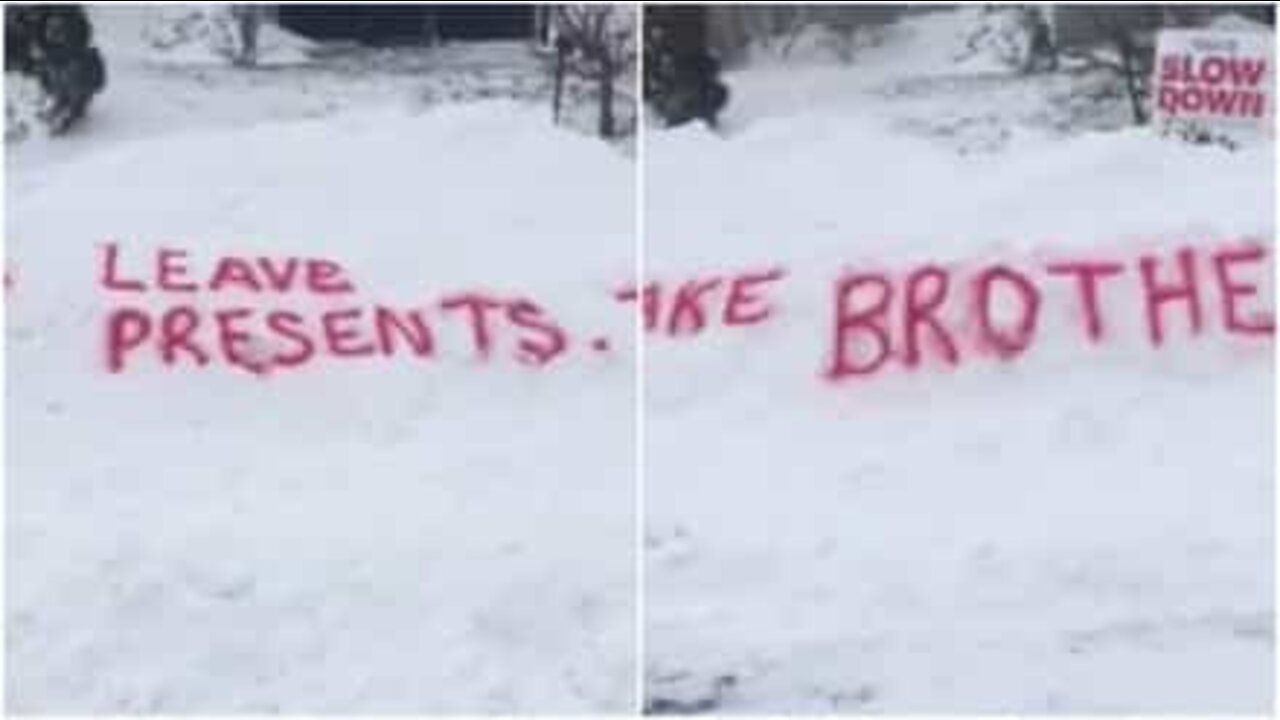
[(1236, 23), (363, 534), (949, 74), (191, 35), (25, 102), (1085, 527), (962, 39)]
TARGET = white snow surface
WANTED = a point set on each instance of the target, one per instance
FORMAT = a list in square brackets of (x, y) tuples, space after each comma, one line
[(185, 88), (1086, 529), (199, 35), (355, 536)]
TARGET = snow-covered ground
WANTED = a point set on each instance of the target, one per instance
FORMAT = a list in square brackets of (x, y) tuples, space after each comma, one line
[(157, 85), (395, 535), (1085, 529), (1088, 529), (948, 76)]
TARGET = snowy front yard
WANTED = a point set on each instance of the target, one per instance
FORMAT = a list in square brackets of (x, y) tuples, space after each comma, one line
[(364, 534), (1087, 527), (957, 392)]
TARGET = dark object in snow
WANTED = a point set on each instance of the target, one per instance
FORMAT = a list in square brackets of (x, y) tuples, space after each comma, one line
[(1197, 134), (681, 76), (248, 20), (702, 704), (693, 92), (697, 92), (563, 49), (53, 44), (1042, 55)]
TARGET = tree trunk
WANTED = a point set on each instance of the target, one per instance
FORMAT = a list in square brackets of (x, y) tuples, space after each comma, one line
[(606, 97), (1130, 69), (248, 19), (562, 53)]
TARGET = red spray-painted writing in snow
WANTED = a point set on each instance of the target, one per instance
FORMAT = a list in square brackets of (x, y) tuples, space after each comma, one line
[(878, 321), (262, 339), (699, 303), (930, 313)]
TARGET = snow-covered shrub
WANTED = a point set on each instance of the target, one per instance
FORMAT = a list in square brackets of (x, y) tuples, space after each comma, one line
[(25, 105), (999, 34), (597, 44), (174, 27), (217, 33), (53, 68), (681, 81)]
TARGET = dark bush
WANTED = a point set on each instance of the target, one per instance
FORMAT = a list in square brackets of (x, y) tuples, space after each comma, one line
[(54, 45)]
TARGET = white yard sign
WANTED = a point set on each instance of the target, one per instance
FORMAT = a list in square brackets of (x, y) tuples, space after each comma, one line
[(1214, 77)]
